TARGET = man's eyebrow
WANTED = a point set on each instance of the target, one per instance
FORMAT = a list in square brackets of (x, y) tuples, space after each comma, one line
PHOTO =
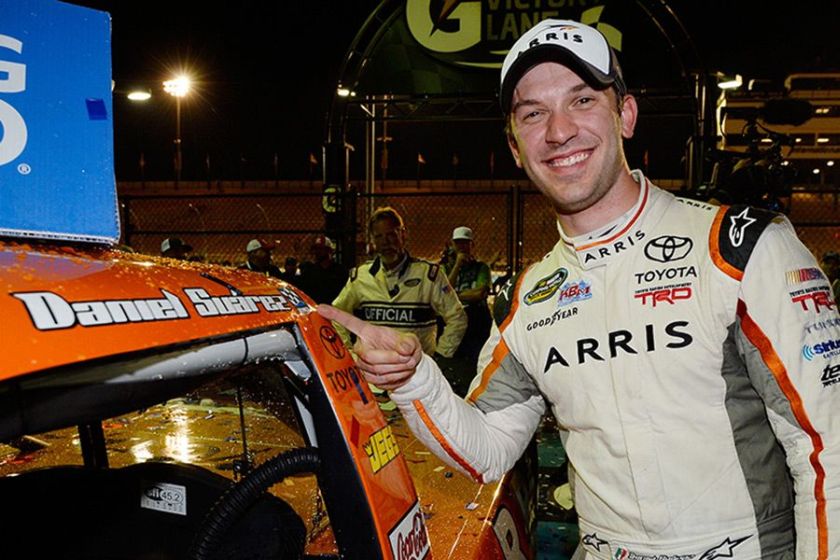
[(522, 103), (577, 88)]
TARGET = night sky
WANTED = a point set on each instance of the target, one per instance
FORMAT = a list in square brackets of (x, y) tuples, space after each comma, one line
[(266, 71)]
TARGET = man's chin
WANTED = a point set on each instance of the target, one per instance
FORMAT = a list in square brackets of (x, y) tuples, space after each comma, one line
[(389, 259)]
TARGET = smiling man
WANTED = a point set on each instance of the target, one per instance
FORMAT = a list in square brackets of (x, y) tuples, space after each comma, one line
[(684, 348)]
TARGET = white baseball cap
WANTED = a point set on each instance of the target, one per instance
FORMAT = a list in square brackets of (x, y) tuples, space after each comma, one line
[(255, 244), (580, 47), (462, 232)]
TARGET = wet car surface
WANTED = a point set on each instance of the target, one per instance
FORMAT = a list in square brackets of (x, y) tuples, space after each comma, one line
[(230, 372)]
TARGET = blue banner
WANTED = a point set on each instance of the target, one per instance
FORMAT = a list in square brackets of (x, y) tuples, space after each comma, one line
[(56, 139)]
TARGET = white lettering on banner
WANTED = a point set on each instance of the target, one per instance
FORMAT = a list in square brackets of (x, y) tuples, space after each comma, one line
[(13, 140), (409, 539)]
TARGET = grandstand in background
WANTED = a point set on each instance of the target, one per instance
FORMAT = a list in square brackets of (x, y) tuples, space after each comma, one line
[(814, 151)]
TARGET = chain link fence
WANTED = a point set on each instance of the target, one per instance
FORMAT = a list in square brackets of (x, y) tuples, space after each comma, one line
[(513, 227)]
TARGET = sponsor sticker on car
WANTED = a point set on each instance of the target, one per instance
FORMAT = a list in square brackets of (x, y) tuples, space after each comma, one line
[(409, 539), (165, 497)]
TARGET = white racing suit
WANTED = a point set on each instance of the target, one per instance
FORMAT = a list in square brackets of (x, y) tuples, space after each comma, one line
[(691, 356), (420, 293)]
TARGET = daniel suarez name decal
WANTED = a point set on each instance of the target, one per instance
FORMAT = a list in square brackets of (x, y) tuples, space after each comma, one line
[(50, 311)]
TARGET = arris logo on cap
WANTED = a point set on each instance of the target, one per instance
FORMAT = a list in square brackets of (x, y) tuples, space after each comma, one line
[(584, 49), (557, 33)]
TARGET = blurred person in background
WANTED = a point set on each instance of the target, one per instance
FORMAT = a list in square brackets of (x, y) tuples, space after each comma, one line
[(175, 248), (322, 278), (830, 264), (470, 278), (291, 271), (258, 252)]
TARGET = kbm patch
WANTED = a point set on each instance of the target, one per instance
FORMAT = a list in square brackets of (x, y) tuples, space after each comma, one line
[(381, 448), (546, 287)]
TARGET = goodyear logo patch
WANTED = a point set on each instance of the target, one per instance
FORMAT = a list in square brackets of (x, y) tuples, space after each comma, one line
[(546, 287), (381, 448)]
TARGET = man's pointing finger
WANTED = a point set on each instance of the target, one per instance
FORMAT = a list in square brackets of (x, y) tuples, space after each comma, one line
[(346, 320)]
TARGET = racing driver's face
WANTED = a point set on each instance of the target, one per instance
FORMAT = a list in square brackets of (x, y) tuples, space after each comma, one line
[(567, 136)]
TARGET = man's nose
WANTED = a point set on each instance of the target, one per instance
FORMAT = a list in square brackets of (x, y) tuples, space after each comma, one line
[(561, 128)]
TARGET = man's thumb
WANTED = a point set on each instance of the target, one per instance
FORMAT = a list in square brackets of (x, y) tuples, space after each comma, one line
[(406, 345)]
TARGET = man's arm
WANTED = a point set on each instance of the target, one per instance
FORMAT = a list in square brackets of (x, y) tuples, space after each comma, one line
[(445, 302), (790, 340), (482, 444), (481, 289)]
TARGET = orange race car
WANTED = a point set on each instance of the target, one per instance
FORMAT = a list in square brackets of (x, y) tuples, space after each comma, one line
[(154, 408)]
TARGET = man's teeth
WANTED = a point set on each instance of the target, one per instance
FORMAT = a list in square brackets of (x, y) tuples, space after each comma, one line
[(566, 162)]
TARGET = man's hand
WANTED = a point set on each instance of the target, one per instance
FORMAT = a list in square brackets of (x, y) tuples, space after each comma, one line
[(387, 358)]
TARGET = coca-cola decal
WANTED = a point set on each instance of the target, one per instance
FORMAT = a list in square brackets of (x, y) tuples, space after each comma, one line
[(409, 539)]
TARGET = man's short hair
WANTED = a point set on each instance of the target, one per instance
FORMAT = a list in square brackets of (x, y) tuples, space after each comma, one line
[(385, 213)]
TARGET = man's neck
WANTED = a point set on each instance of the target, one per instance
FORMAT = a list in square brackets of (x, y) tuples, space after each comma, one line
[(397, 263), (621, 197)]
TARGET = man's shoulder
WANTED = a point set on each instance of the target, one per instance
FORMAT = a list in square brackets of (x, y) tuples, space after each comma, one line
[(367, 265), (428, 268), (363, 269), (735, 233)]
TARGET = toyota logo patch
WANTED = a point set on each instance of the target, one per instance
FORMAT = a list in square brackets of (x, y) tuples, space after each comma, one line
[(668, 248), (331, 342)]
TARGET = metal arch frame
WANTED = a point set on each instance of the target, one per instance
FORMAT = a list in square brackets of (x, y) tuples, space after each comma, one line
[(341, 224)]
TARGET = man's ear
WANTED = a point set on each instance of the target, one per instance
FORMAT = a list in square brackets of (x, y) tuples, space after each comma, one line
[(513, 145), (629, 112)]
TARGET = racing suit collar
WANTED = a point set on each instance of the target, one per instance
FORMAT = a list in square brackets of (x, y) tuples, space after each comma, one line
[(399, 270), (601, 246)]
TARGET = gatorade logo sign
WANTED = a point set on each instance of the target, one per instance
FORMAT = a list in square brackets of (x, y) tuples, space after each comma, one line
[(12, 80), (479, 33)]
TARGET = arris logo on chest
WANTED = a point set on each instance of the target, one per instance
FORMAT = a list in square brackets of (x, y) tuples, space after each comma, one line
[(622, 341)]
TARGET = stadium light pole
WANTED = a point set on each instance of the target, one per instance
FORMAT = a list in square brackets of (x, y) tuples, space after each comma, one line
[(177, 87)]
